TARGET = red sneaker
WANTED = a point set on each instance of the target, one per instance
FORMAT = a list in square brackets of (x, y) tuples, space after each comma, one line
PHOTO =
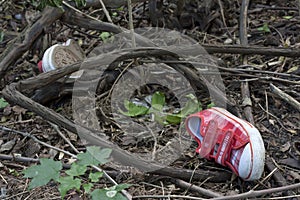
[(228, 140)]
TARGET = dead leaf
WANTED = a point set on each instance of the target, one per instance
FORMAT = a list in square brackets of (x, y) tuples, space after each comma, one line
[(293, 69), (285, 147), (7, 146), (295, 175), (19, 110), (272, 121)]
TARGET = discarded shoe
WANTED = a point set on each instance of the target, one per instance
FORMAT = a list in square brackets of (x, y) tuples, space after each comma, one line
[(228, 140), (60, 55)]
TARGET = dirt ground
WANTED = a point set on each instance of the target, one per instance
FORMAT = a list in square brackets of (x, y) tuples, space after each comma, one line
[(271, 24)]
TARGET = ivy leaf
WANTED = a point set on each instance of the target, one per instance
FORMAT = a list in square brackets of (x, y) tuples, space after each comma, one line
[(173, 119), (212, 104), (94, 156), (43, 173), (104, 36), (121, 187), (134, 110), (265, 28), (158, 116), (94, 177), (158, 101), (3, 103), (67, 183), (87, 187), (191, 106), (76, 170), (107, 195)]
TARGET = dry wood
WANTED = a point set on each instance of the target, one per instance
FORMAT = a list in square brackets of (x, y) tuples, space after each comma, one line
[(254, 50), (244, 42), (287, 98), (195, 188), (21, 44), (278, 177)]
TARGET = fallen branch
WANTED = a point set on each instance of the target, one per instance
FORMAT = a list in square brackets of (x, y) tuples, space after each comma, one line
[(256, 193), (254, 50), (23, 42), (195, 188), (251, 193), (287, 98)]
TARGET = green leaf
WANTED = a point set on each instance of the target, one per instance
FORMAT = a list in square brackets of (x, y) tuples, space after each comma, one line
[(94, 177), (87, 187), (212, 104), (94, 156), (159, 117), (3, 103), (121, 187), (67, 183), (107, 195), (104, 36), (158, 101), (134, 110), (191, 106), (43, 173), (265, 28), (76, 170), (173, 119)]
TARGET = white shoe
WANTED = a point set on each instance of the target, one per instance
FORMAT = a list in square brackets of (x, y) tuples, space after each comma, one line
[(60, 55)]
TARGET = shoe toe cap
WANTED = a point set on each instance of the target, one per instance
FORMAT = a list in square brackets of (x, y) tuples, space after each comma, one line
[(252, 160)]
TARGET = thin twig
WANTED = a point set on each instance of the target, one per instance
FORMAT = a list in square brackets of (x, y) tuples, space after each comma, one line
[(63, 137), (277, 119), (131, 23), (196, 188), (155, 142), (247, 103), (166, 197), (18, 158), (223, 17), (289, 99), (106, 12), (25, 134), (265, 178), (253, 193), (117, 79)]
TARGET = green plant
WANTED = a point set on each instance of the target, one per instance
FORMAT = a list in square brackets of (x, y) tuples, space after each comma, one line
[(265, 28), (3, 103), (48, 170), (105, 36), (157, 104)]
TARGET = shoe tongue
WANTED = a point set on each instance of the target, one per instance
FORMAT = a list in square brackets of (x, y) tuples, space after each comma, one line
[(210, 139)]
